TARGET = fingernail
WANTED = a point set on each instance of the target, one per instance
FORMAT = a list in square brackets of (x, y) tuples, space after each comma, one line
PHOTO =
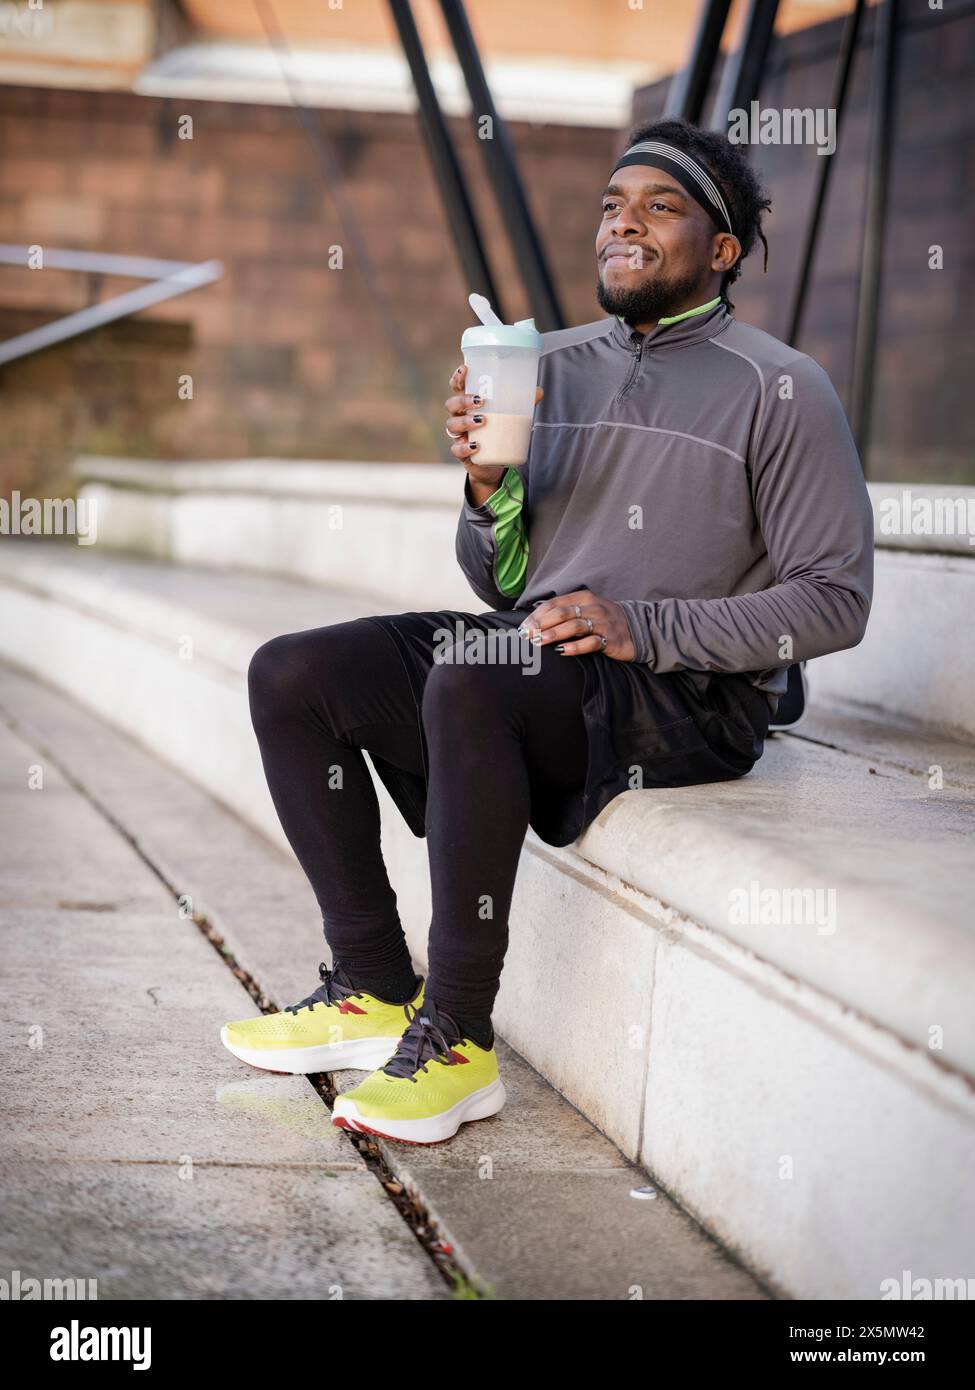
[(475, 400), (478, 419), (560, 648), (473, 444)]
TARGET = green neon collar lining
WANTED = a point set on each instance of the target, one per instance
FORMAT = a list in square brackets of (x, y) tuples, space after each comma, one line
[(688, 313)]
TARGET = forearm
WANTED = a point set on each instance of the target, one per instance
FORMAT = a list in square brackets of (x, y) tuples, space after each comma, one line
[(479, 492), (789, 622), (492, 540)]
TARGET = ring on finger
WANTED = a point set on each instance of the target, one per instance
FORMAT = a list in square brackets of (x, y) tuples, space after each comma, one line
[(578, 610), (451, 435), (603, 641), (589, 629)]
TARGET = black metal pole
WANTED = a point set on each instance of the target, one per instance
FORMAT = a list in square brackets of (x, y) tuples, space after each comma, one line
[(871, 265), (841, 82), (502, 169), (742, 74), (453, 193), (689, 86), (354, 235)]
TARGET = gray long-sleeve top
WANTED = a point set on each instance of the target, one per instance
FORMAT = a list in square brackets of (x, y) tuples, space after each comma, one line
[(702, 475)]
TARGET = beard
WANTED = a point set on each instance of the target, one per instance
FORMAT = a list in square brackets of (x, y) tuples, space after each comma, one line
[(655, 299)]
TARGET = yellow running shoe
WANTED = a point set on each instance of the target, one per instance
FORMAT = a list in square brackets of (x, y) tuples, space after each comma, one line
[(437, 1081), (337, 1026)]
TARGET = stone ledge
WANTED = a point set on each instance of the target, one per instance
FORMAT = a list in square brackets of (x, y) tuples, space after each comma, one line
[(387, 529)]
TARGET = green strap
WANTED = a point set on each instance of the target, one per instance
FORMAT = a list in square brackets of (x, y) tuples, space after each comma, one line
[(510, 536)]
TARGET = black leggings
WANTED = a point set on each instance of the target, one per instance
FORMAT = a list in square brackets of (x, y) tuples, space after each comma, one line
[(319, 698)]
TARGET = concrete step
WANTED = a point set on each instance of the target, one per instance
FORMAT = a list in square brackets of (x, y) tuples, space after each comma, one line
[(132, 1089), (134, 1151), (787, 1082)]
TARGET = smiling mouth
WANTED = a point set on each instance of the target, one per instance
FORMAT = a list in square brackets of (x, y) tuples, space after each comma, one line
[(620, 260)]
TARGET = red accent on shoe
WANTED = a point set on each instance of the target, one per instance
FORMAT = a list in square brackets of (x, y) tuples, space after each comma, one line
[(458, 1056), (358, 1127), (347, 1007)]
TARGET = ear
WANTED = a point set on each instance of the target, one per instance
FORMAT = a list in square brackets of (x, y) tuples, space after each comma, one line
[(726, 252)]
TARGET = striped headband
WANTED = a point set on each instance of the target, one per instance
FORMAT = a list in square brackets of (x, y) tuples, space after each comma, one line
[(691, 175)]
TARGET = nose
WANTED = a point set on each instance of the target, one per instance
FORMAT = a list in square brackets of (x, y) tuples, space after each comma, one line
[(626, 222)]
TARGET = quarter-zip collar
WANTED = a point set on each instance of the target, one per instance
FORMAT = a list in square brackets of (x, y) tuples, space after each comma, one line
[(695, 326)]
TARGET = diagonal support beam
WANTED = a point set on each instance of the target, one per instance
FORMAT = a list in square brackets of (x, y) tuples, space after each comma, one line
[(689, 87), (744, 68), (502, 169), (461, 221), (167, 280)]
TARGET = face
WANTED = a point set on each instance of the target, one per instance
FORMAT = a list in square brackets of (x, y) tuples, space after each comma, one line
[(657, 250)]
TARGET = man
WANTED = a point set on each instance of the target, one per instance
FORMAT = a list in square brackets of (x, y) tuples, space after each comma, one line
[(691, 520)]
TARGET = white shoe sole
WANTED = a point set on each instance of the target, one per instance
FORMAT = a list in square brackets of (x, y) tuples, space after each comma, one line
[(479, 1105), (358, 1054)]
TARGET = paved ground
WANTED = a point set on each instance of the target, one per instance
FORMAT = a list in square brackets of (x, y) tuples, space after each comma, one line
[(137, 1151)]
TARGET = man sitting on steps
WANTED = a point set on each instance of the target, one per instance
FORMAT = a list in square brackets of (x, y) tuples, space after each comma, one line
[(691, 521)]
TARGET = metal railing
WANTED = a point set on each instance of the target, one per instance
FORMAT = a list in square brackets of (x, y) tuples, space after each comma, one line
[(167, 279)]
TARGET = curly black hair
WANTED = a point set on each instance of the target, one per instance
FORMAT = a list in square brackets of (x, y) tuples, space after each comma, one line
[(746, 198)]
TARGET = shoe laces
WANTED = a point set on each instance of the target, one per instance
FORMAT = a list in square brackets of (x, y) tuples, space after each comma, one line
[(335, 985), (426, 1038)]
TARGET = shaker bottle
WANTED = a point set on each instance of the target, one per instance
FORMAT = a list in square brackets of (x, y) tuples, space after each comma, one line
[(502, 368)]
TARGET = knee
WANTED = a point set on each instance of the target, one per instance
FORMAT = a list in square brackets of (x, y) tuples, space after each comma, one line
[(460, 696), (275, 675), (314, 665), (291, 670)]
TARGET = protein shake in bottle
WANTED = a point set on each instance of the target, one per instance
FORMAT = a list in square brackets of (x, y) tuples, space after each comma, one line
[(502, 368)]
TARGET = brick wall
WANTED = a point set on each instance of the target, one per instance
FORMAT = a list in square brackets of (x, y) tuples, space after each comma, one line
[(288, 357)]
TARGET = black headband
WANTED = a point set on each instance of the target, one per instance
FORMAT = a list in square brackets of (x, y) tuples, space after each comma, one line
[(691, 175)]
